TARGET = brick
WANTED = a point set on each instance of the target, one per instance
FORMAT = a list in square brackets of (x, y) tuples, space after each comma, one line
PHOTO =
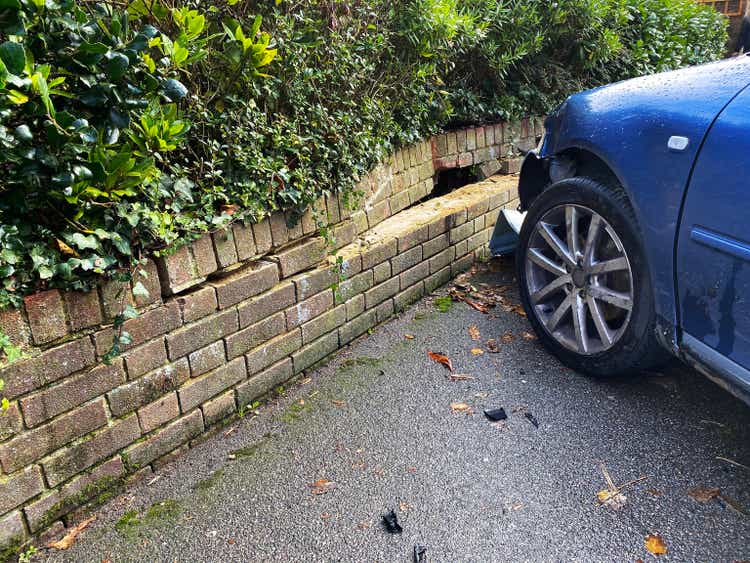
[(263, 382), (354, 286), (159, 412), (49, 508), (244, 241), (18, 488), (471, 139), (84, 309), (262, 236), (204, 255), (378, 213), (441, 259), (279, 231), (146, 326), (384, 310), (255, 334), (511, 165), (201, 333), (476, 241), (438, 279), (148, 388), (481, 137), (359, 218), (413, 238), (406, 260), (465, 159), (224, 247), (381, 292), (323, 324), (145, 358), (440, 145), (479, 224), (171, 437), (451, 142), (199, 390), (461, 232), (438, 227), (456, 218), (253, 310), (332, 207), (377, 253), (246, 282), (313, 282), (461, 140), (355, 306), (350, 265), (116, 295), (14, 326), (308, 222), (315, 351), (33, 444), (177, 270), (272, 351), (343, 234), (208, 358), (446, 162), (219, 408), (489, 135), (432, 247), (477, 208), (197, 304), (461, 248), (147, 274), (462, 264), (54, 364), (490, 167), (293, 225), (46, 315), (70, 393), (399, 201), (300, 257), (381, 272), (402, 300), (426, 171), (413, 275), (12, 532), (101, 445), (357, 326), (11, 422), (309, 308)]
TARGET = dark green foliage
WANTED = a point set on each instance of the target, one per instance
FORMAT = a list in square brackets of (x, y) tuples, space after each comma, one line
[(129, 129)]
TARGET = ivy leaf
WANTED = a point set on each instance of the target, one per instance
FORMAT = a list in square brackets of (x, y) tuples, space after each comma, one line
[(139, 290), (121, 244), (83, 242), (14, 57)]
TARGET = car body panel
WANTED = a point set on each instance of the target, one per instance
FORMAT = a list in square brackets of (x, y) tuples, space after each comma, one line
[(713, 250), (628, 126)]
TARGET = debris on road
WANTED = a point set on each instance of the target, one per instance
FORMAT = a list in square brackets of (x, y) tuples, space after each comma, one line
[(532, 419), (461, 407), (703, 494), (655, 544), (477, 351), (322, 486), (492, 346), (612, 496), (496, 415), (390, 522), (460, 377), (507, 337), (420, 554), (529, 336), (70, 538), (474, 333), (441, 359)]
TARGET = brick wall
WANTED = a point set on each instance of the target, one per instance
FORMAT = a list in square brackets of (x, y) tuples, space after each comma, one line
[(228, 318)]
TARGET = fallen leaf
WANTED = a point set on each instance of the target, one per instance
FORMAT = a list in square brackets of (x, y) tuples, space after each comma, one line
[(474, 332), (231, 542), (364, 525), (339, 403), (477, 351), (404, 506), (461, 407), (460, 377), (322, 486), (65, 249), (441, 359), (476, 305), (704, 494), (492, 346), (70, 537), (519, 310), (655, 544), (526, 335), (654, 492), (507, 337), (409, 336)]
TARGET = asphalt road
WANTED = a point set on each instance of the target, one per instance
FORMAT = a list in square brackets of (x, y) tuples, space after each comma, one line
[(376, 421)]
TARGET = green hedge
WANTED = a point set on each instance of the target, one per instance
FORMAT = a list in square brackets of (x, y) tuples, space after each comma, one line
[(128, 129)]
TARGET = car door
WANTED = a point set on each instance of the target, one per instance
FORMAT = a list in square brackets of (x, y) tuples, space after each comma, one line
[(713, 249)]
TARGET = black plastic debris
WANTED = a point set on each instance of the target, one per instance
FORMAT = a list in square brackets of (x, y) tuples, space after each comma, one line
[(420, 554), (496, 415), (390, 521), (532, 419)]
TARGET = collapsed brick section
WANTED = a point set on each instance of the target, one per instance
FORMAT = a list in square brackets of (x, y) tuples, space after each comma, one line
[(227, 319)]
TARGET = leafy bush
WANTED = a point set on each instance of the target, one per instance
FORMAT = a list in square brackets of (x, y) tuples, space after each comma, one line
[(129, 127)]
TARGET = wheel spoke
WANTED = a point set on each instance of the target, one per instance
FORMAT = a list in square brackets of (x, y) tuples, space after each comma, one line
[(613, 265), (571, 229), (579, 322), (559, 313), (595, 228), (543, 262), (601, 325), (550, 288), (555, 243), (616, 298)]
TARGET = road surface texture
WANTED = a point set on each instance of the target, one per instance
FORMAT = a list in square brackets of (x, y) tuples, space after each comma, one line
[(376, 422)]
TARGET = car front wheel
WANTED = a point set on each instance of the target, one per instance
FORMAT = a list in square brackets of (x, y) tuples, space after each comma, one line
[(584, 281)]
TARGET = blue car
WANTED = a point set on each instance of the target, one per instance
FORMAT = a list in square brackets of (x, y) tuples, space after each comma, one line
[(636, 244)]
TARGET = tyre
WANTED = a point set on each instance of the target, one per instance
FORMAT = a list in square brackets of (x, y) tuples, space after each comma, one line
[(584, 280)]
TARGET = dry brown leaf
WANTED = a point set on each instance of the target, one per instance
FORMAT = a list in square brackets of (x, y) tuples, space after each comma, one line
[(338, 403), (65, 249), (409, 336), (461, 407), (404, 506), (655, 544), (519, 310), (477, 351), (229, 209), (526, 335), (492, 346), (322, 486), (704, 494), (508, 337), (70, 538), (460, 377), (481, 307), (612, 499), (474, 332), (441, 359)]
